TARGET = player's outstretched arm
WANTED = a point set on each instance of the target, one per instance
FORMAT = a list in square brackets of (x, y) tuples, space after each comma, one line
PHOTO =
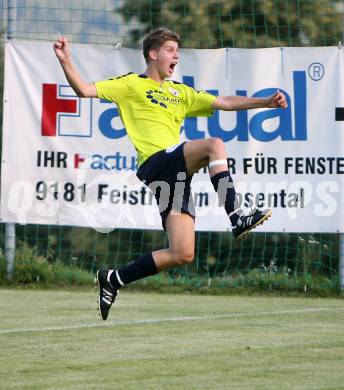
[(236, 103), (81, 88)]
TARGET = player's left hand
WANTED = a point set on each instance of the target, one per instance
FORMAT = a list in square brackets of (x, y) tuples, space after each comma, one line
[(277, 100)]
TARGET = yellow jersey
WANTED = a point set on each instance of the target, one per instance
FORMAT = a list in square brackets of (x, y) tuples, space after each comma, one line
[(152, 113)]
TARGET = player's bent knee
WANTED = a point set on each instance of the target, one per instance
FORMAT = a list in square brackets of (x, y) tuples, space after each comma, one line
[(183, 257), (215, 145), (187, 257)]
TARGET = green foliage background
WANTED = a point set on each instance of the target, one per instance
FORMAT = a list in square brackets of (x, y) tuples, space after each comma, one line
[(239, 23)]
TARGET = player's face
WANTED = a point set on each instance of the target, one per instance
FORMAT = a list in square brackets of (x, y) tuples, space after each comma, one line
[(167, 58)]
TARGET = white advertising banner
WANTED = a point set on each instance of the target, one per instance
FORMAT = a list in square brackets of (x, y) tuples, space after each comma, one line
[(68, 161)]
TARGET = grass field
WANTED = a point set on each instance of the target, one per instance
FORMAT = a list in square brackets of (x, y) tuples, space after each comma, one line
[(54, 340)]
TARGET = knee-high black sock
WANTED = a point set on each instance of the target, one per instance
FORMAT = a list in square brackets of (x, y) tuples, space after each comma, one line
[(138, 269), (223, 185)]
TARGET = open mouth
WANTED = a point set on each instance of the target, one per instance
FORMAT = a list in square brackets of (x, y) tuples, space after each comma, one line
[(172, 66)]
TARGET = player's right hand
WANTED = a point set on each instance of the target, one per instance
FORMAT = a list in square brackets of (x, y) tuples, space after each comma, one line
[(61, 48)]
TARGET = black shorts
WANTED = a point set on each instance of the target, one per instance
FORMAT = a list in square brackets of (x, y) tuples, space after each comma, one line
[(165, 175)]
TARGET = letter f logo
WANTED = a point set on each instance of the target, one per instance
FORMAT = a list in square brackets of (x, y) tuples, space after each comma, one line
[(51, 106)]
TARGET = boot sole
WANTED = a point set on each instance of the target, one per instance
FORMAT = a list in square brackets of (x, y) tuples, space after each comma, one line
[(244, 234), (98, 300)]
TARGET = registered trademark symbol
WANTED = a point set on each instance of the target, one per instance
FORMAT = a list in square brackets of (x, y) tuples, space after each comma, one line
[(316, 71)]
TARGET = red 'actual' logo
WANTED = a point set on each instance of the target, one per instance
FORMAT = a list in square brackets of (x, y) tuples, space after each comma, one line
[(51, 106)]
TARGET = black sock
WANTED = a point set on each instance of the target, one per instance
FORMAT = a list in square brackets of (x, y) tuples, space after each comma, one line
[(223, 185), (138, 269)]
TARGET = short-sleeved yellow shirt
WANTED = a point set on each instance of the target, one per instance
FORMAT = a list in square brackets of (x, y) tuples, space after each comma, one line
[(152, 113)]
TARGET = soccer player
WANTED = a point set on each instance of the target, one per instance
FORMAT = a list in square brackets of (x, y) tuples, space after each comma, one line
[(152, 108)]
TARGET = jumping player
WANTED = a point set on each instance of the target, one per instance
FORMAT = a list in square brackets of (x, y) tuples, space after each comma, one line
[(152, 109)]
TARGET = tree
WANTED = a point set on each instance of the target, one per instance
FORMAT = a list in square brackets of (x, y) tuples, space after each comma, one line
[(237, 23)]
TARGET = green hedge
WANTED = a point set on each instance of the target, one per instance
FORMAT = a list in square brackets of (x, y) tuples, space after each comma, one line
[(31, 268), (34, 269)]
